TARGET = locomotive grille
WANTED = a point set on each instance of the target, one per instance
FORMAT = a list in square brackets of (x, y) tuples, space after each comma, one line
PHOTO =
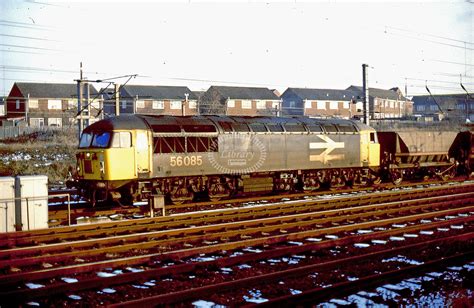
[(87, 166)]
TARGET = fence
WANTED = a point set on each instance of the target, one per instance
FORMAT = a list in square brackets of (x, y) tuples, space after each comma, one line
[(7, 132)]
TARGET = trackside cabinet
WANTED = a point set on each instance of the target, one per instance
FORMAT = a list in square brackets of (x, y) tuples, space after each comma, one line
[(31, 204), (7, 204)]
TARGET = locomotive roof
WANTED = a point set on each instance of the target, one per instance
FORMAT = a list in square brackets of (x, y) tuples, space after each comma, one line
[(209, 123)]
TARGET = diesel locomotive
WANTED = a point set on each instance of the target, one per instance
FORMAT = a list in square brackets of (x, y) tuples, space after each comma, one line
[(131, 157)]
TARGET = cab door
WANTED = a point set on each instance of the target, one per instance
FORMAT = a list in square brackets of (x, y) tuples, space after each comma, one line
[(142, 154), (364, 148)]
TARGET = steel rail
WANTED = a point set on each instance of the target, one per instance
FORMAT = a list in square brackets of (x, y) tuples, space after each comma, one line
[(129, 261), (99, 282), (159, 223), (271, 224), (186, 295)]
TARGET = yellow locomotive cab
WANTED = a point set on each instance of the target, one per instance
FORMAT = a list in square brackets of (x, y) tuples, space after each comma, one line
[(116, 155)]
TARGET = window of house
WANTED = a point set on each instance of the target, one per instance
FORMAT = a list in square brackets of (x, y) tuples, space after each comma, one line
[(333, 105), (261, 105), (36, 122), (54, 104), (433, 107), (321, 105), (192, 104), (33, 103), (230, 103), (57, 122), (175, 104), (17, 104), (71, 104), (307, 104), (292, 104), (95, 105), (158, 105), (246, 104), (420, 108), (275, 105), (345, 105), (140, 103), (124, 104), (461, 106)]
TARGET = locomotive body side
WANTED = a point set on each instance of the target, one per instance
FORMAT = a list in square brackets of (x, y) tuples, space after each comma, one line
[(130, 157)]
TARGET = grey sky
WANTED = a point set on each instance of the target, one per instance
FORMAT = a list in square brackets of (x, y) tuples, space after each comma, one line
[(277, 44)]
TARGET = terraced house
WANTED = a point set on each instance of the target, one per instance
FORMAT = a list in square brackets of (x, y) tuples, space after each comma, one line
[(49, 104), (240, 101), (318, 103), (150, 99), (384, 104)]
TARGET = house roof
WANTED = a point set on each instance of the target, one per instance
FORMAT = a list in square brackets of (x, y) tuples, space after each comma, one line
[(441, 98), (50, 90), (380, 93), (245, 93), (322, 94), (157, 92)]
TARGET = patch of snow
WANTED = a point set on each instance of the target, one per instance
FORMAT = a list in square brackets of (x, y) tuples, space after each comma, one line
[(134, 270), (379, 242), (312, 239), (255, 297), (364, 231), (205, 304), (331, 236), (295, 243), (136, 286), (443, 229), (295, 292), (75, 297), (402, 259), (426, 232), (410, 235), (252, 250), (457, 227), (33, 304), (107, 291), (149, 284), (340, 302), (352, 278), (399, 225), (397, 238), (244, 266), (425, 221), (387, 294), (361, 245), (34, 285), (69, 280)]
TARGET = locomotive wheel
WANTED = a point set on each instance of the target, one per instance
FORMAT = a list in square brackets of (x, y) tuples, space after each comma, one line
[(396, 176)]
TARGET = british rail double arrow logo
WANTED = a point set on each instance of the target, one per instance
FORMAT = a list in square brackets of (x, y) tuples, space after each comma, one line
[(329, 145)]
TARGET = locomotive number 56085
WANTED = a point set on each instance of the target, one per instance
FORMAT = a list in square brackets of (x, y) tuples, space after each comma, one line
[(180, 161)]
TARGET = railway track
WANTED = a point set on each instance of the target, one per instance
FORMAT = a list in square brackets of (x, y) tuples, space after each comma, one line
[(82, 212), (203, 242)]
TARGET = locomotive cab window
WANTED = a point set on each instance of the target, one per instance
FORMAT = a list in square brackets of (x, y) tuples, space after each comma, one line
[(121, 140), (86, 140), (101, 140)]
